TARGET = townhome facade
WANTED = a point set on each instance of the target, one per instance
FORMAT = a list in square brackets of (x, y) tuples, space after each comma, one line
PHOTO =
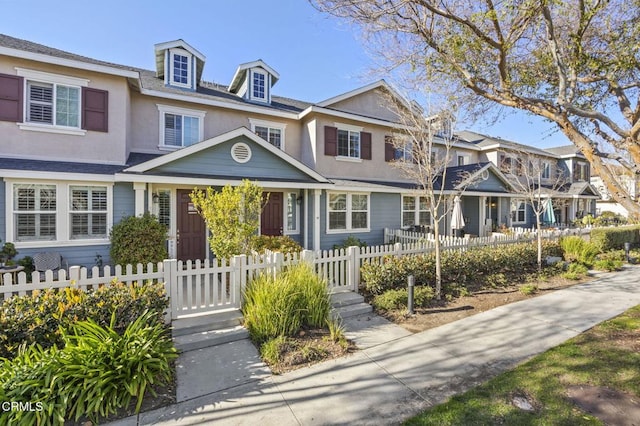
[(85, 143)]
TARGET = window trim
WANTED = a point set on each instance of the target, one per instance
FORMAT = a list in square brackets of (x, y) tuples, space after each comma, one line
[(348, 211), (416, 211), (545, 170), (267, 83), (62, 212), (168, 109), (180, 52), (253, 122), (88, 212), (55, 80), (296, 212), (351, 129), (524, 203)]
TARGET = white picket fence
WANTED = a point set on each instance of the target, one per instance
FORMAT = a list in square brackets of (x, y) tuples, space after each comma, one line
[(197, 287)]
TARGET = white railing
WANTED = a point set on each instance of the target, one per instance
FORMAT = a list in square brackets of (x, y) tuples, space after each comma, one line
[(209, 286)]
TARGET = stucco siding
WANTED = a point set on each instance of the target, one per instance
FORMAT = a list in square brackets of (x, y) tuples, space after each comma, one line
[(109, 147), (146, 116), (370, 104)]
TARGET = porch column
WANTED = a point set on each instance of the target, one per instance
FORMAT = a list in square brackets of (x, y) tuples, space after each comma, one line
[(305, 220), (139, 188), (482, 216), (316, 219)]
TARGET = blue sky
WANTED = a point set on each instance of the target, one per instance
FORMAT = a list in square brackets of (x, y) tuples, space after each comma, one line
[(316, 56)]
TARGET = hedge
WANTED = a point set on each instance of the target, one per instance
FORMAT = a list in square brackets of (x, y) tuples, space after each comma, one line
[(614, 238), (473, 268), (39, 317)]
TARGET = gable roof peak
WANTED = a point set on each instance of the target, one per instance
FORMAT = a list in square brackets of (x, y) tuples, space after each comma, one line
[(241, 71), (161, 48)]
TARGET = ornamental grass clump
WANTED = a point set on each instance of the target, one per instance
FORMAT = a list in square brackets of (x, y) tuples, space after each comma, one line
[(282, 305), (97, 372)]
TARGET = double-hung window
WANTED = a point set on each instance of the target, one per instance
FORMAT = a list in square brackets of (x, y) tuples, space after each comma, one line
[(518, 211), (348, 212), (415, 211), (348, 143), (88, 212), (34, 212), (180, 69), (272, 132), (180, 127), (52, 101), (546, 170)]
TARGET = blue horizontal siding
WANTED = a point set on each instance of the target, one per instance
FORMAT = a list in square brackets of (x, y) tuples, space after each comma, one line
[(217, 161), (123, 201), (80, 255)]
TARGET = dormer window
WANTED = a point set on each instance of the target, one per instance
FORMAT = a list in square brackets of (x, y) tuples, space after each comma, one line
[(180, 68), (253, 81), (259, 87), (179, 64)]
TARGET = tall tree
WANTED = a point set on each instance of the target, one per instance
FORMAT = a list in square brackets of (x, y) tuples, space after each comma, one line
[(422, 147), (576, 63), (538, 180)]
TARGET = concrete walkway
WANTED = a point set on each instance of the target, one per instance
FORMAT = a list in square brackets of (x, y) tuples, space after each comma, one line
[(396, 374)]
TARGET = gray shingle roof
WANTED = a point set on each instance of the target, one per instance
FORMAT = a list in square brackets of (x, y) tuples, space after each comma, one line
[(565, 150), (72, 167), (29, 46)]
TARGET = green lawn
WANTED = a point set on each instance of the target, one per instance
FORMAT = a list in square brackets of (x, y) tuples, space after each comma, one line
[(607, 355)]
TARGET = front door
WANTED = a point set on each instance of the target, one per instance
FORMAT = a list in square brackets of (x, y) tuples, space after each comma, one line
[(271, 218), (191, 229)]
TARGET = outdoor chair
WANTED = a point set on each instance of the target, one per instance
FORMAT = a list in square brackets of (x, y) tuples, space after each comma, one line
[(49, 260)]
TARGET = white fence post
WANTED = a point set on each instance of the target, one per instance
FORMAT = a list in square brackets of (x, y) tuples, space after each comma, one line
[(238, 278), (170, 269), (74, 274), (353, 268)]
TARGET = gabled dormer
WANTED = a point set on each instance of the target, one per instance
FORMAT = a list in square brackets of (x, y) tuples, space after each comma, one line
[(179, 64), (253, 81)]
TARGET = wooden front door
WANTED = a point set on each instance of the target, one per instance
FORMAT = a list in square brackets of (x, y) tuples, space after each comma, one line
[(192, 231), (271, 218)]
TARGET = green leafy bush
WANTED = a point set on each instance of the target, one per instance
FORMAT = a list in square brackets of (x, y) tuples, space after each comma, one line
[(97, 372), (473, 268), (614, 238), (575, 271), (575, 249), (613, 255), (283, 244), (39, 317), (398, 298), (350, 241), (138, 239), (528, 289), (607, 265), (281, 305)]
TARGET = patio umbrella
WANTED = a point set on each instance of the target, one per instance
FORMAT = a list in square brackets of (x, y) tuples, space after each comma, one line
[(457, 220), (548, 215)]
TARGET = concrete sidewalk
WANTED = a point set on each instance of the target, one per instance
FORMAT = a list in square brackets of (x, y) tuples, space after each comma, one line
[(395, 374)]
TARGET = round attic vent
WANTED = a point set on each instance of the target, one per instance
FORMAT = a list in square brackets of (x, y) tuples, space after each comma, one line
[(241, 152)]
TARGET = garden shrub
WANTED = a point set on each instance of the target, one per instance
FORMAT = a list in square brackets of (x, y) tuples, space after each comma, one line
[(138, 239), (575, 271), (350, 241), (613, 255), (614, 238), (283, 244), (473, 268), (282, 305), (39, 317), (608, 265), (398, 298), (96, 372), (575, 249)]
